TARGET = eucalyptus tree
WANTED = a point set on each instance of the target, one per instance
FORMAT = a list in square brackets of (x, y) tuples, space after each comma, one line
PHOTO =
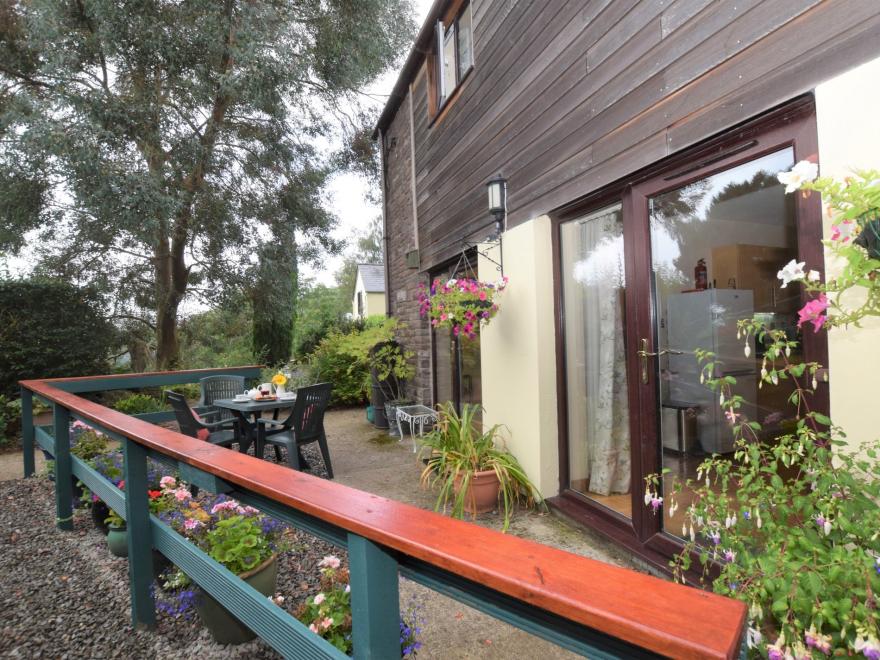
[(147, 138)]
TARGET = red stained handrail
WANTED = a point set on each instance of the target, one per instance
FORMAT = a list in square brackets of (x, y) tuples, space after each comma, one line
[(661, 616)]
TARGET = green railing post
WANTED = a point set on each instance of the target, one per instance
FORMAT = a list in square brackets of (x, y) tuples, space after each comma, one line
[(63, 475), (140, 542), (27, 431), (375, 600)]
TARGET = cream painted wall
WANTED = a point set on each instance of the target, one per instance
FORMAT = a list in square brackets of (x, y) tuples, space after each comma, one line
[(518, 353), (849, 137), (374, 303)]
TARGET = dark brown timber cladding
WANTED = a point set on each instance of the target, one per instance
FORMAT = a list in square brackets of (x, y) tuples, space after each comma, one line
[(402, 286), (567, 96)]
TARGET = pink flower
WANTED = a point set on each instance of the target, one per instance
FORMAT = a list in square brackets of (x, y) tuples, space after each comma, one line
[(313, 628), (731, 416), (843, 231), (482, 295), (443, 317), (330, 561), (191, 524), (818, 641), (814, 312), (228, 505), (168, 482), (320, 598), (182, 494), (326, 623)]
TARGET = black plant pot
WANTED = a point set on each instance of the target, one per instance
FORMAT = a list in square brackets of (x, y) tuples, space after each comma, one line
[(869, 238)]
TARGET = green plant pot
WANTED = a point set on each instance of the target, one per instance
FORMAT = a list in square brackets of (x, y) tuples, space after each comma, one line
[(224, 627), (117, 541)]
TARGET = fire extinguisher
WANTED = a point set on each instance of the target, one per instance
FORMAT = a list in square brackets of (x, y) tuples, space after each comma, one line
[(701, 277)]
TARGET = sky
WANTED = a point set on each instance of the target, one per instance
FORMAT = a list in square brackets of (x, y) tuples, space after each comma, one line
[(346, 191)]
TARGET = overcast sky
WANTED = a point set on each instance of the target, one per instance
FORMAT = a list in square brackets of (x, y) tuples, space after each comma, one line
[(347, 190)]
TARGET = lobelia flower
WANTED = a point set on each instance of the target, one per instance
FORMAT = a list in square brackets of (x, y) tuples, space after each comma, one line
[(793, 271), (801, 173), (814, 312)]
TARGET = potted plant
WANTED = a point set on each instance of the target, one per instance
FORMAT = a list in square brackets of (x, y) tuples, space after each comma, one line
[(117, 535), (241, 539), (328, 613), (390, 368), (462, 304), (473, 472)]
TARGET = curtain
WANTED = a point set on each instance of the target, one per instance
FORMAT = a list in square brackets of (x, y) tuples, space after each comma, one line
[(600, 273)]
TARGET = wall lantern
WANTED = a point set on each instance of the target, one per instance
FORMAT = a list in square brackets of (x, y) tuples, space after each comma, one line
[(497, 188)]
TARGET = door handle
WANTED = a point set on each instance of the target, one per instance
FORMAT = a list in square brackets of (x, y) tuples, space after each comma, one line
[(644, 353)]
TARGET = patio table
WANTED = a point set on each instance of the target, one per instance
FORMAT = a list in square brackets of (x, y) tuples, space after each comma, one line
[(414, 415), (243, 409)]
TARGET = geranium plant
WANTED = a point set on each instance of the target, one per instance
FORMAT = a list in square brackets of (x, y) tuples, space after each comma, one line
[(462, 305), (790, 525)]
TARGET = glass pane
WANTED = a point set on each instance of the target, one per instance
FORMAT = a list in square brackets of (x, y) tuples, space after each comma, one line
[(448, 62), (717, 245), (465, 43), (444, 366), (471, 385), (594, 294)]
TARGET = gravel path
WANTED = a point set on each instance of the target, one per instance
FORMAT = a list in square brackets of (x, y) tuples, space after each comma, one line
[(63, 590)]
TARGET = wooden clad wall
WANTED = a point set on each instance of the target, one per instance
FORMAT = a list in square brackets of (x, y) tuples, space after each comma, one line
[(569, 95)]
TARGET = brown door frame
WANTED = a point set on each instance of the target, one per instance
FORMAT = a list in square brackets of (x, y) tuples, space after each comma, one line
[(793, 125)]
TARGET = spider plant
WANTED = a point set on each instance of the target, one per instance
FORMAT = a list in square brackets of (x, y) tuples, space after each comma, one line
[(460, 449)]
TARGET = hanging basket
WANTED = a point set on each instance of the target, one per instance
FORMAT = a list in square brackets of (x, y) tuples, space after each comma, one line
[(462, 305)]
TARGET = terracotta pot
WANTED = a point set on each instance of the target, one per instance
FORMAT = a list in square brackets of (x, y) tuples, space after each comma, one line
[(224, 627), (482, 493)]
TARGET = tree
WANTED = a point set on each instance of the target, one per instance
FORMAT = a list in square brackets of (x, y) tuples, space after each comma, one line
[(50, 329), (144, 138)]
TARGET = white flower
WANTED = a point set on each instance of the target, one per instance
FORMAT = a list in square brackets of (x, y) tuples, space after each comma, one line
[(826, 528), (747, 350), (451, 283), (798, 175), (813, 276), (753, 637), (793, 271), (648, 497)]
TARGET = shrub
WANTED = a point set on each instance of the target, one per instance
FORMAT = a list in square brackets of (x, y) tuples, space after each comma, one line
[(344, 359), (137, 404), (51, 329), (10, 420)]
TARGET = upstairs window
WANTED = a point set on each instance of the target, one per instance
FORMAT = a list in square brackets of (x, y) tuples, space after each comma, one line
[(453, 55)]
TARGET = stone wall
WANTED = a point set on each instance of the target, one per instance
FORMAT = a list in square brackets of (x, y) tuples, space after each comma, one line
[(403, 282)]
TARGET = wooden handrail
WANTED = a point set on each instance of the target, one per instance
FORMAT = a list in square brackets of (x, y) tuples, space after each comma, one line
[(660, 616)]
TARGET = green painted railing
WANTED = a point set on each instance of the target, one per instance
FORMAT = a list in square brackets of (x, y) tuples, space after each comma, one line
[(587, 607)]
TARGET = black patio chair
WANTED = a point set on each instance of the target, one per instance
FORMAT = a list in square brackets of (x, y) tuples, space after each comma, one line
[(193, 425), (221, 387), (304, 426)]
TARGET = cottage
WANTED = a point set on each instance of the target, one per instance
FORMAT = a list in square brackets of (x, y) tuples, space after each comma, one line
[(638, 143), (369, 291)]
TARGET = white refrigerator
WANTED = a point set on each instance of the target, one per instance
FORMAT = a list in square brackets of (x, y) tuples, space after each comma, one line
[(707, 320)]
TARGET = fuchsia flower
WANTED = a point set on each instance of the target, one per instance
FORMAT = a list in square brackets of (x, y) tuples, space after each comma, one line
[(843, 231), (814, 312), (818, 641)]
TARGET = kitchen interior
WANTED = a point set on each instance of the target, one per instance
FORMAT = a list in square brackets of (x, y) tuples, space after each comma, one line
[(717, 247)]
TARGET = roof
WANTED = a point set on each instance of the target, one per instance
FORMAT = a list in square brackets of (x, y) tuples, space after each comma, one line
[(373, 277), (411, 66)]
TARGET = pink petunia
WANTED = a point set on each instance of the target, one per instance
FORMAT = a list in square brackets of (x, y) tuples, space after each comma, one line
[(814, 312), (843, 231)]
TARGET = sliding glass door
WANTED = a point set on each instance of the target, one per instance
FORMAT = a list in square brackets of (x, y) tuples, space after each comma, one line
[(650, 274)]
